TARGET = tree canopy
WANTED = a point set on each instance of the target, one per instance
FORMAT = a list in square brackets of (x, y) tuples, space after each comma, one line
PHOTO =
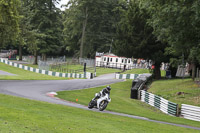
[(157, 30), (9, 20), (135, 37), (89, 26)]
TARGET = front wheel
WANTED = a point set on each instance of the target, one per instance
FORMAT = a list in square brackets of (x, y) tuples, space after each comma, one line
[(91, 104), (103, 105)]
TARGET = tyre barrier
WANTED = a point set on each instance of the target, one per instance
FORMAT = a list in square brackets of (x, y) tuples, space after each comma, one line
[(190, 112), (50, 73), (160, 103)]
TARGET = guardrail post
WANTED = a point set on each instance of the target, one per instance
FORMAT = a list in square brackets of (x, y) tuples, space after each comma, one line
[(84, 69)]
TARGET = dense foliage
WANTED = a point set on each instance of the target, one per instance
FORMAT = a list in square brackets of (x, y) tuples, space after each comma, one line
[(9, 21), (89, 26), (157, 30)]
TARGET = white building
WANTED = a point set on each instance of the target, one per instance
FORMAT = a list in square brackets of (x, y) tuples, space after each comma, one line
[(113, 61)]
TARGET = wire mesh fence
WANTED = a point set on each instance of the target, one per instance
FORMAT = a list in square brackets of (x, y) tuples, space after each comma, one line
[(63, 64)]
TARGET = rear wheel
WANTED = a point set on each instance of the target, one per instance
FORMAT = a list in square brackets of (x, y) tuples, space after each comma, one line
[(103, 105)]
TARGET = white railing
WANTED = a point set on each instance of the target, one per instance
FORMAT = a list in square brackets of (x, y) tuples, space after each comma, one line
[(160, 103), (190, 112)]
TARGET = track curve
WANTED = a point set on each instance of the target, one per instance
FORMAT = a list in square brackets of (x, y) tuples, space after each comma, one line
[(38, 89)]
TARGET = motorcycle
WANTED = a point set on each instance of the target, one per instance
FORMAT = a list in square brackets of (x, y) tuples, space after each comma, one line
[(100, 103)]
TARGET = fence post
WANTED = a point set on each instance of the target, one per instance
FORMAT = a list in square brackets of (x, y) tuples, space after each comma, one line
[(84, 69), (177, 111)]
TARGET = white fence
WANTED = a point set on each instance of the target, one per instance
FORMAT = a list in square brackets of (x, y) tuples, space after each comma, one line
[(190, 112)]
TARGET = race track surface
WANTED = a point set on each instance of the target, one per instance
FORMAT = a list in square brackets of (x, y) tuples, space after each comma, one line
[(38, 89)]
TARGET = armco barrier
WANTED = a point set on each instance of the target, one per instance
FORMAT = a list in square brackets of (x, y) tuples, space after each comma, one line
[(126, 76), (190, 112), (160, 103), (50, 73)]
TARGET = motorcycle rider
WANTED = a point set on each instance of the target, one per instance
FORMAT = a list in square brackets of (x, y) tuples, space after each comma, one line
[(103, 92)]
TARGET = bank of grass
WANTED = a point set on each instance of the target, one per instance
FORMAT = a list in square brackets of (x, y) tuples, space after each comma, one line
[(170, 88), (23, 74), (22, 115), (121, 102)]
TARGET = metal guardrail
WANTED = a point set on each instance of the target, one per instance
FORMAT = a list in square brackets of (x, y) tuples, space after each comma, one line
[(126, 76), (190, 112), (160, 103)]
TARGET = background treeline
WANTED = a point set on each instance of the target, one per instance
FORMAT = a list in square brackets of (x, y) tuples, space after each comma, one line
[(157, 30)]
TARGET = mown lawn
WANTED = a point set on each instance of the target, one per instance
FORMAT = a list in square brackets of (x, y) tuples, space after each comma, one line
[(23, 74), (169, 89), (121, 102), (22, 115)]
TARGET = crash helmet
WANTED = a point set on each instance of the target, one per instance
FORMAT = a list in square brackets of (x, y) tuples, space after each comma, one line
[(108, 88)]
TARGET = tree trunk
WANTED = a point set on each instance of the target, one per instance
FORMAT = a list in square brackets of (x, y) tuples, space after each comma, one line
[(20, 52), (156, 72), (83, 32), (35, 58), (193, 71)]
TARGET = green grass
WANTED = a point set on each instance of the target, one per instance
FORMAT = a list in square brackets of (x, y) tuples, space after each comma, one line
[(23, 74), (121, 102), (136, 71), (22, 115), (101, 71), (169, 89)]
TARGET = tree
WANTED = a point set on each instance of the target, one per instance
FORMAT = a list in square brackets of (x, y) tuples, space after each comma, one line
[(46, 19), (135, 38), (89, 26), (9, 20), (41, 27), (177, 23)]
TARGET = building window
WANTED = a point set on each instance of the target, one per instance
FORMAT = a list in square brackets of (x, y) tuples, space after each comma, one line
[(105, 59), (122, 60), (116, 59), (110, 59), (125, 60), (129, 61)]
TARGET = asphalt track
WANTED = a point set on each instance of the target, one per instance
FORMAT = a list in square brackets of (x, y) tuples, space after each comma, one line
[(38, 90), (6, 73)]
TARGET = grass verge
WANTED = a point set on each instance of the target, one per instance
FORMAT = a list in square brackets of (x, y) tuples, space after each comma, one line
[(170, 88), (121, 102), (23, 74), (22, 115)]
